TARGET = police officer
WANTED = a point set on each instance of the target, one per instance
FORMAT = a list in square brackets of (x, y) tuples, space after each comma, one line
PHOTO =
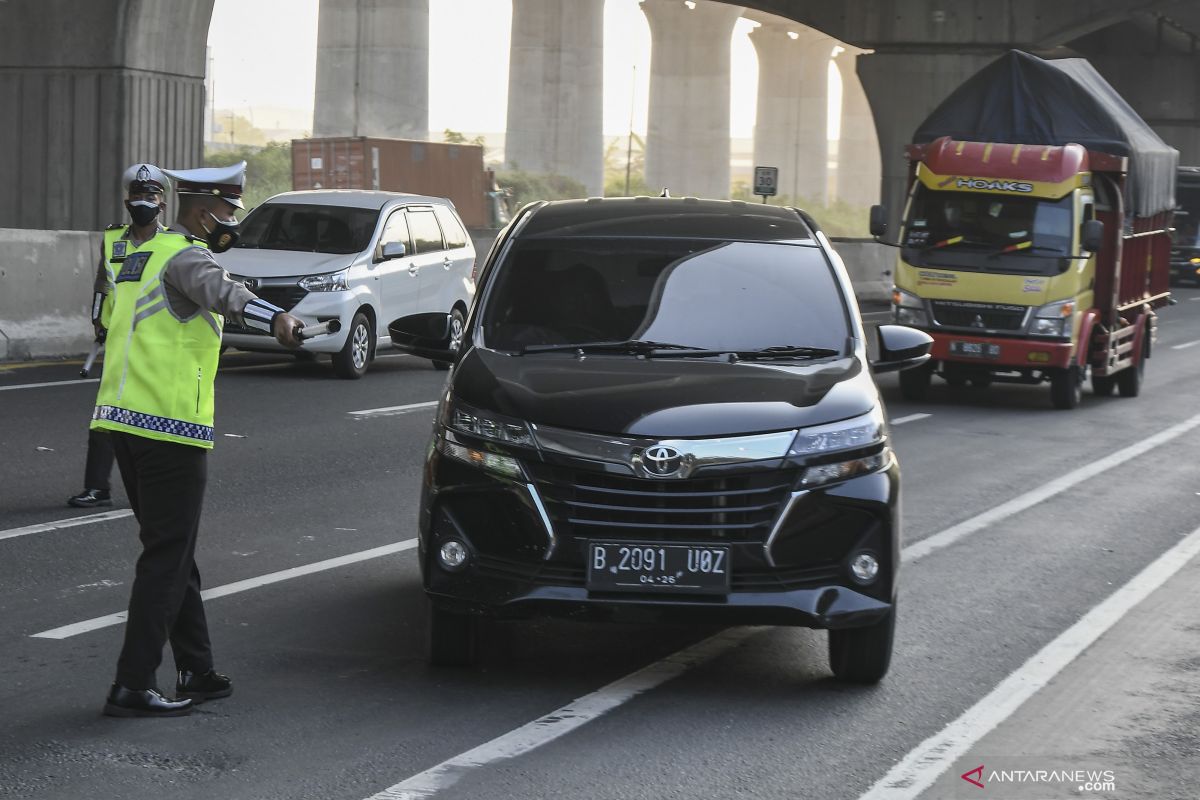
[(145, 187), (156, 400)]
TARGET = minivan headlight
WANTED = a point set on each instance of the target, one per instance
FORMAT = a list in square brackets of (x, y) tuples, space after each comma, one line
[(864, 433), (488, 426), (908, 308), (1054, 319), (330, 282)]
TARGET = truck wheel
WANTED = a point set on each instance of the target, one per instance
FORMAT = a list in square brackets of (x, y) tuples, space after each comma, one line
[(914, 383), (981, 381), (1103, 385), (453, 638), (1129, 380), (457, 323), (351, 361), (862, 655), (1066, 387)]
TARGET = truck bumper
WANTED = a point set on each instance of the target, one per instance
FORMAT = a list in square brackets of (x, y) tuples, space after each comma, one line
[(1000, 353)]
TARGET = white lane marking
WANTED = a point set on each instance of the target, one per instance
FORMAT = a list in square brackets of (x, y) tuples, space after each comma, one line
[(73, 522), (97, 623), (910, 418), (1185, 345), (1059, 485), (558, 723), (389, 411), (48, 383), (1195, 299), (922, 766)]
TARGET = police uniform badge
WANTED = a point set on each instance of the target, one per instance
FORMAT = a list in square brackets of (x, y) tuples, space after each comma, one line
[(133, 267), (119, 249)]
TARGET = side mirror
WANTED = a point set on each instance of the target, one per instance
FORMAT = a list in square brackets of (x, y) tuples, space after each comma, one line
[(394, 250), (423, 335), (878, 223), (901, 347), (1091, 235)]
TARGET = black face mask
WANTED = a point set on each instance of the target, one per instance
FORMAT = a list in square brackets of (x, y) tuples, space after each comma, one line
[(142, 212), (223, 236)]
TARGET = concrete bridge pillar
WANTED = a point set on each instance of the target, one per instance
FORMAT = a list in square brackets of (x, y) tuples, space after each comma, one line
[(687, 141), (555, 90), (791, 131), (372, 69), (858, 170), (903, 88)]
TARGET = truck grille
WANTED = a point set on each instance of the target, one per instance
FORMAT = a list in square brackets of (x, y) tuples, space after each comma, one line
[(990, 316), (587, 504)]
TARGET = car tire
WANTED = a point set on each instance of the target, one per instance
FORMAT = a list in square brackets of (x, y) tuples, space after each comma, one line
[(457, 325), (352, 360), (863, 655), (914, 383), (453, 638), (1129, 380), (1066, 387)]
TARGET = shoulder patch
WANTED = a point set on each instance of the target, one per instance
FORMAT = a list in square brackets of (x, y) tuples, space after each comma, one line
[(119, 250), (115, 226)]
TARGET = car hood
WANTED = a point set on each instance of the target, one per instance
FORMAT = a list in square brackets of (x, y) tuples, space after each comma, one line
[(662, 398), (255, 263)]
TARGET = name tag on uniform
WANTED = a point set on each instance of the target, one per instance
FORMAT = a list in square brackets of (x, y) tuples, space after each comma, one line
[(132, 268), (119, 248)]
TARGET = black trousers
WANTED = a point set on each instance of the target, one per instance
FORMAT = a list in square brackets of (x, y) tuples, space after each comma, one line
[(165, 484), (99, 461)]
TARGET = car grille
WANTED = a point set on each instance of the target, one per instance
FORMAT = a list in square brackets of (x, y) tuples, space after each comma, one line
[(990, 316), (737, 508), (286, 297)]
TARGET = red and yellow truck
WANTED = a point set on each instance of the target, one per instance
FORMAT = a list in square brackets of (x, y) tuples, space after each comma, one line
[(1035, 243)]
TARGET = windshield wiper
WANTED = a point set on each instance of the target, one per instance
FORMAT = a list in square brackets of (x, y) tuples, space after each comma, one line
[(951, 241), (761, 354), (1021, 247), (621, 346)]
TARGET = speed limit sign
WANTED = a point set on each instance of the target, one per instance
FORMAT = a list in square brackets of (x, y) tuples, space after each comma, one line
[(766, 181)]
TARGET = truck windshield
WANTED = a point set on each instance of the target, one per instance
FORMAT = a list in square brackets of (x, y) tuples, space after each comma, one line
[(1187, 216), (988, 232), (309, 228), (709, 295)]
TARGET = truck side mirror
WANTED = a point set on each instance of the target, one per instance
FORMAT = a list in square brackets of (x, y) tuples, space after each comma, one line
[(1091, 236), (878, 221)]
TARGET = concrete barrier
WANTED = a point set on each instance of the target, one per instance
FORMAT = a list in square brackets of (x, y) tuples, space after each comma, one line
[(870, 265), (46, 292)]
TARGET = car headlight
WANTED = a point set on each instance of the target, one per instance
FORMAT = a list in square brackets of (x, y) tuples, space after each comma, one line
[(330, 282), (488, 426), (852, 436), (1054, 319), (908, 308), (498, 463)]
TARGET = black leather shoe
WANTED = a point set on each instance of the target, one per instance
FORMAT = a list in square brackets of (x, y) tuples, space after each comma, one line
[(90, 498), (201, 686), (122, 702)]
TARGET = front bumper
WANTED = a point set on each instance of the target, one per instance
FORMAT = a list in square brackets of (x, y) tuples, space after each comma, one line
[(510, 576), (1013, 353), (313, 308)]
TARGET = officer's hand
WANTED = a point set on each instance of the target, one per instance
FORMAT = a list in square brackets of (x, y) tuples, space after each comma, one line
[(100, 330), (284, 329)]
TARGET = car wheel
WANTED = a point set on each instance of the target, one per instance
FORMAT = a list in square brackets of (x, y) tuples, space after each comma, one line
[(1103, 385), (352, 360), (1066, 387), (914, 383), (862, 655), (453, 638), (457, 326)]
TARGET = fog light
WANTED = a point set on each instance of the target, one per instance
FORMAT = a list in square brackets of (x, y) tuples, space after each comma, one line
[(864, 567), (452, 555)]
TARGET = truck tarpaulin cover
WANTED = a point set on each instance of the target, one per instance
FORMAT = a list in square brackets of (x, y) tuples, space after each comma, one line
[(1023, 99)]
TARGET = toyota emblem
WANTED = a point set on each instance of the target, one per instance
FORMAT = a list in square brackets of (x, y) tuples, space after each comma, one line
[(250, 283), (661, 461)]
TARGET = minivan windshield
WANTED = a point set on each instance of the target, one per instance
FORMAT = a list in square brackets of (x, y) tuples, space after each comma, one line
[(721, 296), (988, 232), (309, 228)]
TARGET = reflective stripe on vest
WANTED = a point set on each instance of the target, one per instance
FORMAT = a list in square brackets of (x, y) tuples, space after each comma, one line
[(158, 379)]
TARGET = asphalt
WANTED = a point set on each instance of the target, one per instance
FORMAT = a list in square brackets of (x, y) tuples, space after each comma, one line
[(334, 699)]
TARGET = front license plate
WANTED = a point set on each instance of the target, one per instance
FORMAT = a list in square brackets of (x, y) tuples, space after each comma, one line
[(652, 566), (975, 349)]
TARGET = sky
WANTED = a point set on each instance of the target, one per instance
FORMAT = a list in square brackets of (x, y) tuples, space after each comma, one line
[(470, 38)]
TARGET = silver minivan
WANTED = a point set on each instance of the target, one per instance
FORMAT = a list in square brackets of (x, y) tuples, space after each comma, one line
[(363, 258)]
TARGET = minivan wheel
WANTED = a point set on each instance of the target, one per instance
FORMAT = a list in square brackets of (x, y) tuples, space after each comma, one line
[(914, 383), (352, 360), (457, 326), (453, 638), (862, 655)]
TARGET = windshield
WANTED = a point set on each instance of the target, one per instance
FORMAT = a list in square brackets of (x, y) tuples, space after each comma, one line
[(1187, 217), (309, 228), (988, 232), (726, 296)]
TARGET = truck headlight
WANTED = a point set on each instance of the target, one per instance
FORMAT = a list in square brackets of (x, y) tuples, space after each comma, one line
[(864, 437), (908, 308), (330, 282), (1054, 319)]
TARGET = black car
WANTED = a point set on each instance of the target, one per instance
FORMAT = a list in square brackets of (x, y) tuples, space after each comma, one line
[(662, 409)]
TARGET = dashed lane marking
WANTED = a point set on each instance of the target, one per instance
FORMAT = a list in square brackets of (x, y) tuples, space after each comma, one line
[(97, 623), (910, 418), (1185, 345), (925, 763), (48, 383), (72, 522), (388, 411)]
